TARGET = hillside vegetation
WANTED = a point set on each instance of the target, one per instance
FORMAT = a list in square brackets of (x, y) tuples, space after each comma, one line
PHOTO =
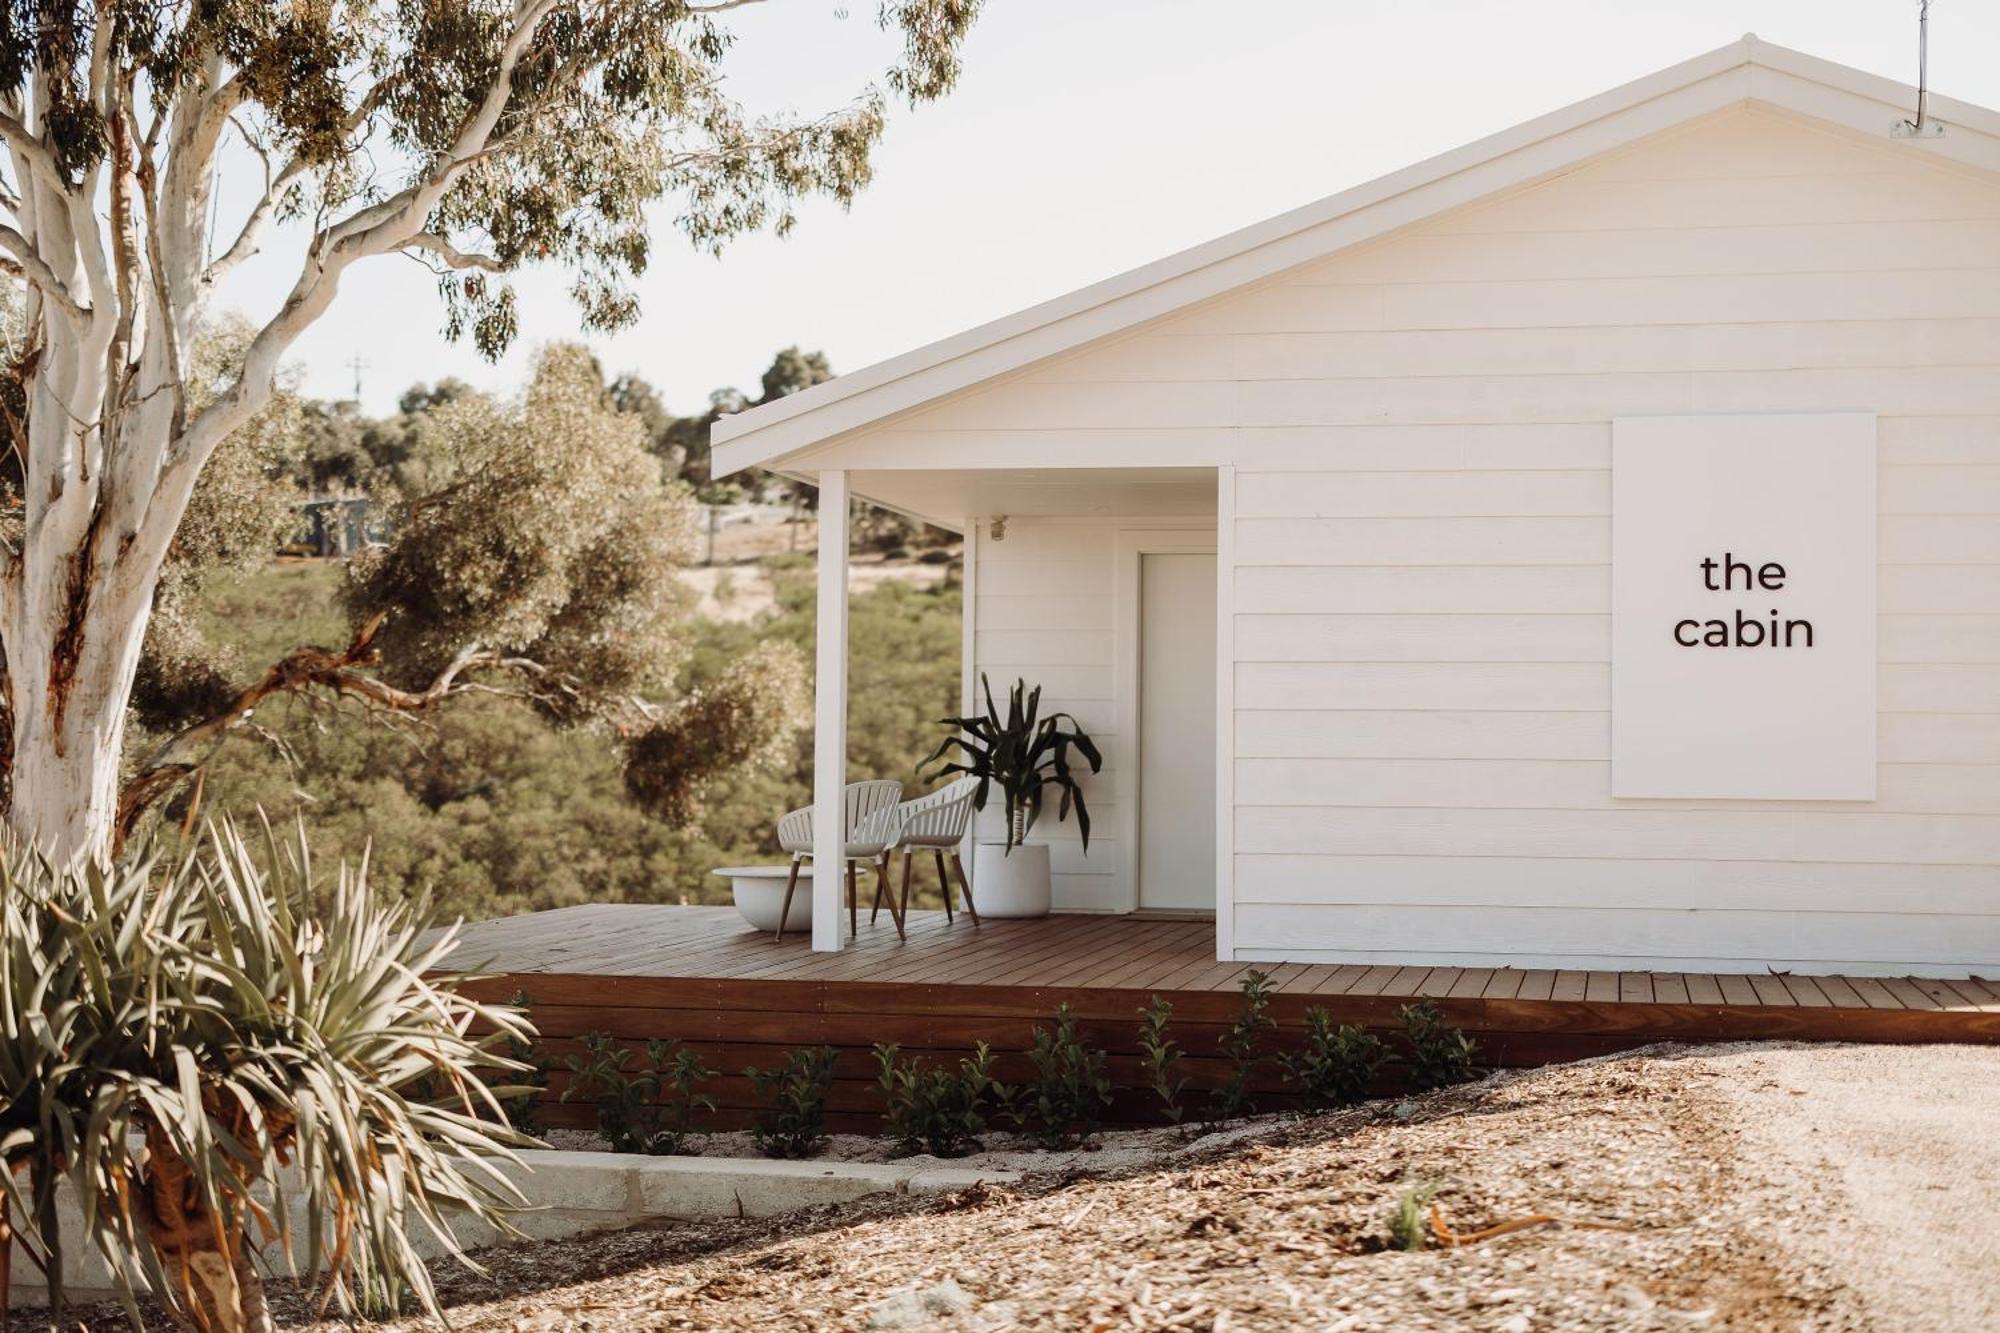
[(497, 812)]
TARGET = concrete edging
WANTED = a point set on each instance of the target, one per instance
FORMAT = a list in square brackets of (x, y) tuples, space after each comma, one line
[(617, 1189), (580, 1193)]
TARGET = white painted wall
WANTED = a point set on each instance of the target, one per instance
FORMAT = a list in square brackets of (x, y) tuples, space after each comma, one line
[(1054, 602), (1420, 432), (1043, 607)]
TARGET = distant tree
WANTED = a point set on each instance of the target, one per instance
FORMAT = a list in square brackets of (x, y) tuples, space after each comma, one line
[(631, 392), (479, 136), (542, 566), (682, 442), (402, 452), (792, 370), (332, 457)]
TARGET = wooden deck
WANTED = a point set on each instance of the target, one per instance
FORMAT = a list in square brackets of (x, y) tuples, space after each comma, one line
[(700, 975)]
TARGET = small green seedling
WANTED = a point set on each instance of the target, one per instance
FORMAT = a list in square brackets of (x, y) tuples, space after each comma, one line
[(1160, 1058), (1242, 1046), (1409, 1219), (935, 1110), (1064, 1104)]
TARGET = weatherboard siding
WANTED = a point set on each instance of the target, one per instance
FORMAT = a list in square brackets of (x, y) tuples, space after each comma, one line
[(1421, 435), (1423, 677)]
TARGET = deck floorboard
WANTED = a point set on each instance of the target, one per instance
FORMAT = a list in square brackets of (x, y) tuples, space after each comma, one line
[(700, 975)]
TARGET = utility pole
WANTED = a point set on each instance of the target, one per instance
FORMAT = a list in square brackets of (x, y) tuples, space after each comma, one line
[(357, 365)]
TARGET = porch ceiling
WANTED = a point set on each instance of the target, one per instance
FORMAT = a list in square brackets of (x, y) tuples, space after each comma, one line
[(951, 496)]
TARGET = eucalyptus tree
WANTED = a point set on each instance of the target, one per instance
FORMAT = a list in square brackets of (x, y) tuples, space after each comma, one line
[(539, 561), (478, 136)]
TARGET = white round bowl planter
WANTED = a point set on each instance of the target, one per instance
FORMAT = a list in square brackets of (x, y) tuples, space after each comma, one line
[(760, 896), (1011, 884)]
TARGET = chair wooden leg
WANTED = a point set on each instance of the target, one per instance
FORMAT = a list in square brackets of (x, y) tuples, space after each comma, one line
[(876, 907), (881, 888), (908, 860), (791, 884), (944, 884), (853, 908), (965, 887)]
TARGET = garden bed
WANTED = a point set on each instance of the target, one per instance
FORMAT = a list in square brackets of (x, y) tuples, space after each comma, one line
[(1734, 1187), (576, 1187)]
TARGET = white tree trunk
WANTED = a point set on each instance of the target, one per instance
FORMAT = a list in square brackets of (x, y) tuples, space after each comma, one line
[(116, 267), (70, 666)]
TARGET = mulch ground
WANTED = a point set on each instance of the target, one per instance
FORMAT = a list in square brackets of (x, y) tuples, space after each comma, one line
[(1654, 1221)]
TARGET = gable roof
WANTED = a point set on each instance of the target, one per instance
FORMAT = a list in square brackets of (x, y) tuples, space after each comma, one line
[(1745, 71)]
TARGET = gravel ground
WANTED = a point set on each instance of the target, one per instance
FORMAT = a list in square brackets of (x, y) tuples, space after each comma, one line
[(1894, 1155), (1740, 1187)]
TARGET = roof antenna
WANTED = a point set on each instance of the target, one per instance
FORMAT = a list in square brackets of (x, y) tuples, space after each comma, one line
[(1923, 127)]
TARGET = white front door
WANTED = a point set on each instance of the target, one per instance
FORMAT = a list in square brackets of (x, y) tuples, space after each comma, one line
[(1177, 731)]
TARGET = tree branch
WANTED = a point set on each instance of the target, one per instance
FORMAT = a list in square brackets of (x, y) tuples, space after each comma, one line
[(250, 239), (344, 672), (31, 148), (368, 226), (37, 271), (375, 229), (451, 254)]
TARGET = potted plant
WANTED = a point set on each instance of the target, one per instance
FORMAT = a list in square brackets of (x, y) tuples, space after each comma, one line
[(1023, 754)]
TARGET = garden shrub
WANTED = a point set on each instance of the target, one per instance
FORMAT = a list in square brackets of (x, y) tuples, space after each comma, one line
[(1160, 1058), (1242, 1046), (522, 1110), (792, 1119), (1338, 1065), (682, 1071), (1440, 1054), (649, 1111), (1064, 1104), (936, 1110)]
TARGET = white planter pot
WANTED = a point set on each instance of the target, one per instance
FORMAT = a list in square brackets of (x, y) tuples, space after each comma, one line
[(1011, 883), (760, 895)]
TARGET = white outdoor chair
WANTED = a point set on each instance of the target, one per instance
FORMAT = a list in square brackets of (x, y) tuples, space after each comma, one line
[(868, 830), (936, 823)]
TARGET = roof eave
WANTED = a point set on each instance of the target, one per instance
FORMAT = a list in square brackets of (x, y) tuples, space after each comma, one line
[(1743, 71)]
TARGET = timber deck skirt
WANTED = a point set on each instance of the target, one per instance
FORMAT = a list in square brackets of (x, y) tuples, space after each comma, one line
[(700, 975)]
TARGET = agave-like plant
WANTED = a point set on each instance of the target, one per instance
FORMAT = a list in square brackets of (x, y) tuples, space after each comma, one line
[(169, 1040), (1022, 753), (85, 1010)]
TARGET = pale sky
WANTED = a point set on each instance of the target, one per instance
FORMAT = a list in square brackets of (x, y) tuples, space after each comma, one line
[(1086, 137)]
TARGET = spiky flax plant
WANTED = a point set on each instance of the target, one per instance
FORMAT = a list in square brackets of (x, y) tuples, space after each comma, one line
[(235, 1063)]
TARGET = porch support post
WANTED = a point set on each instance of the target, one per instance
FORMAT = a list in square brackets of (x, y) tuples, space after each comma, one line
[(830, 715)]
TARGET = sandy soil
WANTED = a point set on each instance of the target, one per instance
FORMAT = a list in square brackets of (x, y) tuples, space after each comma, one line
[(1739, 1187), (1897, 1168), (741, 593)]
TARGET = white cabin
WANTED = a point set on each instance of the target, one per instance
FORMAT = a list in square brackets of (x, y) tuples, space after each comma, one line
[(1313, 527)]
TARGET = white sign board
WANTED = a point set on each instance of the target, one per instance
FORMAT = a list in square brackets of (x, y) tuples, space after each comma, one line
[(1743, 607)]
